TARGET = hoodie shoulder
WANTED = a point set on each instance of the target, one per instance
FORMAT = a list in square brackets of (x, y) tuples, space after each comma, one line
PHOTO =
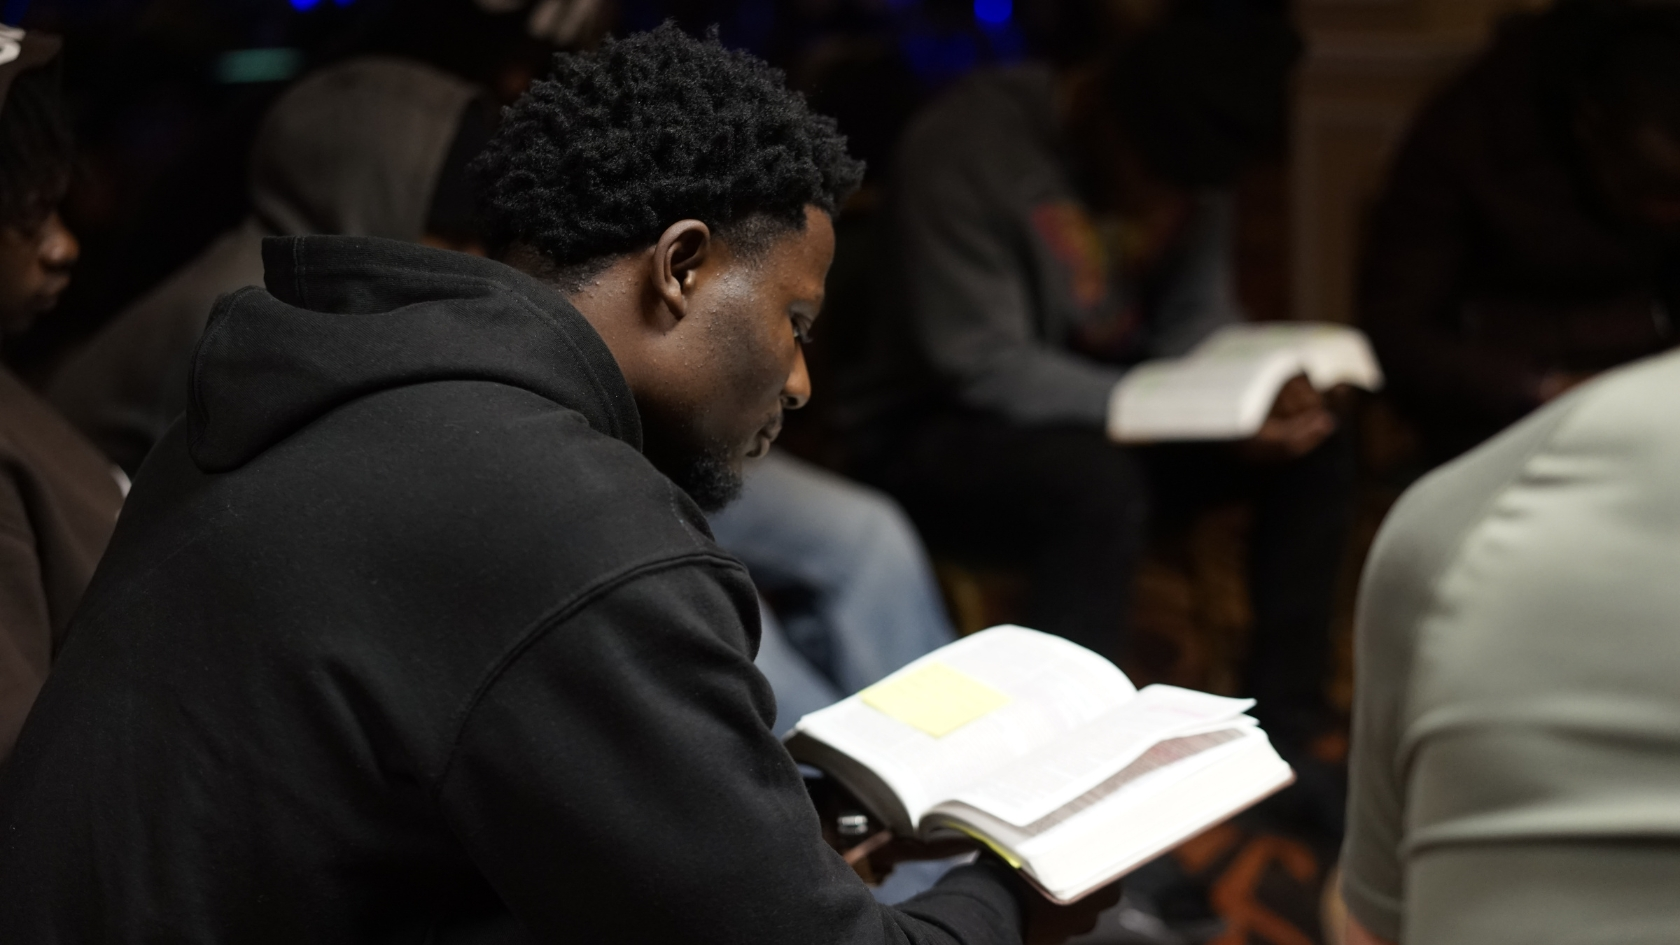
[(493, 453), (344, 318), (434, 398), (501, 485)]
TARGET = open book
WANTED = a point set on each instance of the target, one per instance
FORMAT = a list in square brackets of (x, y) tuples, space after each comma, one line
[(1224, 388), (1045, 752)]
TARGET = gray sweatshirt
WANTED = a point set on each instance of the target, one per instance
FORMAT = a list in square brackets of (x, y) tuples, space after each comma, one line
[(1012, 299), (355, 149)]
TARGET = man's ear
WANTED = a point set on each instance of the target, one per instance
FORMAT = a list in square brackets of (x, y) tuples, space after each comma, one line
[(682, 249)]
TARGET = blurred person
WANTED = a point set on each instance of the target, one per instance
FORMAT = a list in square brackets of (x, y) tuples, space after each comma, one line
[(1529, 235), (500, 44), (1516, 742), (1054, 227), (374, 146), (413, 628), (58, 498)]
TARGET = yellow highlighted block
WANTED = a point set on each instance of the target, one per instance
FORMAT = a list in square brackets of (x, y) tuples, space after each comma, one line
[(935, 698)]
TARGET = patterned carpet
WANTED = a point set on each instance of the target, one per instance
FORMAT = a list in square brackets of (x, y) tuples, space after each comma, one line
[(1265, 886)]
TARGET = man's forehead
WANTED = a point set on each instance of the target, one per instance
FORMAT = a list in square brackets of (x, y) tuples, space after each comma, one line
[(805, 253)]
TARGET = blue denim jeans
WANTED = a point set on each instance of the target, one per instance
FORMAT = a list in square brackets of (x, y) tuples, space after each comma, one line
[(852, 590)]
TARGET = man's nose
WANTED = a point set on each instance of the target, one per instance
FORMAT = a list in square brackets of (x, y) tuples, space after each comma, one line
[(59, 247), (797, 391)]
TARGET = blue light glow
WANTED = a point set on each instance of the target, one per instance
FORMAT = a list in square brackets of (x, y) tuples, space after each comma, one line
[(304, 4), (993, 12)]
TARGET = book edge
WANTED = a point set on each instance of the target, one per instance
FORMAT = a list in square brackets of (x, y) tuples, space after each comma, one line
[(1199, 827)]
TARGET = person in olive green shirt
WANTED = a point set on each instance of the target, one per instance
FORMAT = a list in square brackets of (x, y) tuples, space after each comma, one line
[(1516, 757)]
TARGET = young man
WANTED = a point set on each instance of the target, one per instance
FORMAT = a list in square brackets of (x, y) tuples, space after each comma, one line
[(1529, 236), (414, 631), (58, 498), (379, 146), (1054, 228)]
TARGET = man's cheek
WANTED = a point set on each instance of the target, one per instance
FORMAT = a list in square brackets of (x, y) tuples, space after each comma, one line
[(762, 384)]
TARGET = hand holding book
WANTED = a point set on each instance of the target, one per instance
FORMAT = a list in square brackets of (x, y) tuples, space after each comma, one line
[(1261, 382), (874, 851), (1044, 753), (1300, 420)]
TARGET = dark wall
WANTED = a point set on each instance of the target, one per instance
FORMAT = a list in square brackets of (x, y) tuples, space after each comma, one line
[(167, 93)]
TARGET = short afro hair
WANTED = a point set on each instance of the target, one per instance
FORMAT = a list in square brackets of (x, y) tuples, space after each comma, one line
[(597, 159)]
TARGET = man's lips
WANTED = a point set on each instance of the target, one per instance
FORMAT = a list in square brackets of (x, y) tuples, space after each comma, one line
[(765, 436)]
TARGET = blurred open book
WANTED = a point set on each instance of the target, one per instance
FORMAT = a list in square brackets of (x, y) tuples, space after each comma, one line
[(1224, 388), (1046, 753)]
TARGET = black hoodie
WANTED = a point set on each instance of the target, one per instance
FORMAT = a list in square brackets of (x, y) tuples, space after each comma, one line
[(400, 638)]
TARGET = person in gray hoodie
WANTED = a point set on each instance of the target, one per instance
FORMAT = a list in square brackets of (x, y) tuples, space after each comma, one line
[(372, 146)]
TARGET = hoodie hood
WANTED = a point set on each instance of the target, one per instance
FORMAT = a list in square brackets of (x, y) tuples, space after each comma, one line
[(344, 318), (356, 149)]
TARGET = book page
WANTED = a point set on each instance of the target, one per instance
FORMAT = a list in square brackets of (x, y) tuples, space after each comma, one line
[(1225, 388), (1189, 753), (1184, 755), (934, 698), (1225, 397), (1152, 814), (1329, 354), (1342, 357), (1059, 772), (1050, 687), (1175, 790)]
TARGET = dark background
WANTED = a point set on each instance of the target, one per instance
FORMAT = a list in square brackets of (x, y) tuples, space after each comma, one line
[(167, 94)]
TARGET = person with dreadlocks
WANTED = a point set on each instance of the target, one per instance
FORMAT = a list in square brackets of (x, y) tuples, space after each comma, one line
[(1529, 234), (58, 497), (413, 629)]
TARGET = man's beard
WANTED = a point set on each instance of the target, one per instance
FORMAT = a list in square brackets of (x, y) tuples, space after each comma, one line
[(708, 476), (704, 471)]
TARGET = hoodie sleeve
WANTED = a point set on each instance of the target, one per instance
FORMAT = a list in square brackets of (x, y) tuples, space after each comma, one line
[(618, 782)]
